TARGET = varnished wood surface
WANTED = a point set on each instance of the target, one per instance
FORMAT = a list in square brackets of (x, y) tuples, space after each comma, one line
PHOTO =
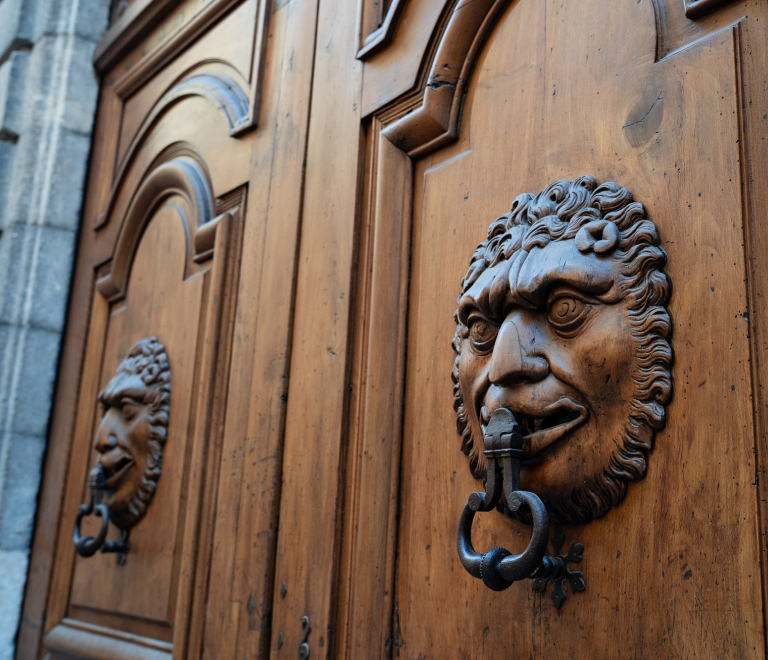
[(322, 475), (534, 98), (312, 468)]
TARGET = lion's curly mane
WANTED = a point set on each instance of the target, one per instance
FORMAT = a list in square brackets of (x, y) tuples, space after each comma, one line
[(556, 214), (148, 360)]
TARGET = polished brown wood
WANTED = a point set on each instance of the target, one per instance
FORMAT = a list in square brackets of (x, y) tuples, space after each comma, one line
[(543, 103), (287, 194)]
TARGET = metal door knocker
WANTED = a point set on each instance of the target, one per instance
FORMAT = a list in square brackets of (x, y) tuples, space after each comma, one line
[(129, 443), (87, 546), (498, 568), (562, 321)]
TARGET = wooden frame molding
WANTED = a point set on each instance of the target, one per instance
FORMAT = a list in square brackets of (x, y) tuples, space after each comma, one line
[(697, 8), (181, 176), (134, 23), (366, 600), (436, 122), (143, 15), (383, 35), (219, 89), (75, 637)]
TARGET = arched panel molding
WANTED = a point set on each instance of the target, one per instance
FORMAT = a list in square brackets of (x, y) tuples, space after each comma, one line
[(183, 177), (437, 120), (219, 89)]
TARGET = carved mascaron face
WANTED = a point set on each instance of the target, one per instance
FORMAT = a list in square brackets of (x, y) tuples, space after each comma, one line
[(133, 431), (562, 320)]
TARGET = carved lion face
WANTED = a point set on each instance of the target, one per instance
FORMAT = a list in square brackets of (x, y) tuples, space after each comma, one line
[(133, 430), (562, 319)]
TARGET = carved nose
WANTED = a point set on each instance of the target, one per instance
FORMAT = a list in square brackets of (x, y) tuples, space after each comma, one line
[(106, 441), (514, 359)]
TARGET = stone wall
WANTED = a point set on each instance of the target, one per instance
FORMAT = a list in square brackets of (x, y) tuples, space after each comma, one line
[(48, 94)]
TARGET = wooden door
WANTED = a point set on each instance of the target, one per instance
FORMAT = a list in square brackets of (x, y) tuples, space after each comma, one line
[(286, 201), (173, 381), (546, 141)]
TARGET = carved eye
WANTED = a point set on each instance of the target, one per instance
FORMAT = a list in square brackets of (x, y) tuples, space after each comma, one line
[(129, 407), (566, 313), (482, 334)]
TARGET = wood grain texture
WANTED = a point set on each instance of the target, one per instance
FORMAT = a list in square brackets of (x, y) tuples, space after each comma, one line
[(533, 96), (245, 530), (307, 549), (370, 522), (751, 53)]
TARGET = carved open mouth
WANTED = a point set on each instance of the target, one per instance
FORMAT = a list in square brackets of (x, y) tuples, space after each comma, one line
[(116, 468), (542, 428)]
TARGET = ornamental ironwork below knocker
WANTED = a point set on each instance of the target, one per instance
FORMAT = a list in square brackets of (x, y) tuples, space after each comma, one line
[(498, 568)]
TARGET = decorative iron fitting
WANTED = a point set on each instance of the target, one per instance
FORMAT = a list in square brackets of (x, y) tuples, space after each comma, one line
[(498, 568)]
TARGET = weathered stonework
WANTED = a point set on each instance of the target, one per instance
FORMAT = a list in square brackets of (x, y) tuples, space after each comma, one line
[(48, 93)]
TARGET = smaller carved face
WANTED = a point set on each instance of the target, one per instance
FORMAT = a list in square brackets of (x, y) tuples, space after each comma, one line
[(132, 432), (122, 439)]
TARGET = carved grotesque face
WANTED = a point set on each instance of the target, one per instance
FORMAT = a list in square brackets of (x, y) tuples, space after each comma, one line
[(133, 431), (562, 320)]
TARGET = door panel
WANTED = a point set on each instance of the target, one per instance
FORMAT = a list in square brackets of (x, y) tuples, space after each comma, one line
[(286, 196), (204, 261), (171, 263), (558, 91)]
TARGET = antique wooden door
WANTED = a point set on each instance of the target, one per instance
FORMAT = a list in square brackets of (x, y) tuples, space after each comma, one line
[(318, 238), (647, 443)]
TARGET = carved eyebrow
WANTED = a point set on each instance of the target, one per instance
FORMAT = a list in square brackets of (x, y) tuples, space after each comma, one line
[(468, 303), (111, 398), (537, 292), (534, 296)]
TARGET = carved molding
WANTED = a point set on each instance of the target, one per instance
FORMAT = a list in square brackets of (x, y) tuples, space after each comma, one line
[(382, 36), (217, 88), (73, 638), (182, 176), (436, 122), (142, 16), (697, 8), (220, 90), (134, 22)]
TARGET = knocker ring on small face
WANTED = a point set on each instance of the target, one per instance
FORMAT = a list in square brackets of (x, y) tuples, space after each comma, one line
[(87, 546), (129, 443)]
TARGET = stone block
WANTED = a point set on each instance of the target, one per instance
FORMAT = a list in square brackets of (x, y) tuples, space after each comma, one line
[(30, 394), (7, 159), (17, 25), (52, 196), (90, 18), (13, 572), (20, 485), (12, 85), (36, 280), (75, 102)]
